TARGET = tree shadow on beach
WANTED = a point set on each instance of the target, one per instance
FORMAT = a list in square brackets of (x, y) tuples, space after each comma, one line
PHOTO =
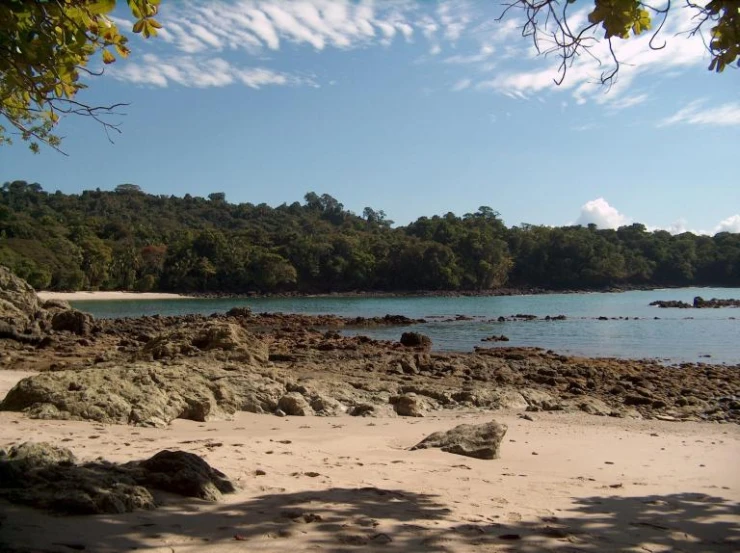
[(351, 519)]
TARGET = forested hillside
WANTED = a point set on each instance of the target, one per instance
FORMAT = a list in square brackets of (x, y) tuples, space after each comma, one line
[(129, 240)]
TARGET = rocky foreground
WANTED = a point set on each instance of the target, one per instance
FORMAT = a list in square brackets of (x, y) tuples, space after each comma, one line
[(151, 370), (324, 477)]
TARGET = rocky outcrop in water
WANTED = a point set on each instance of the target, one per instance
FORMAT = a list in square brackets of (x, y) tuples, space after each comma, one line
[(698, 303), (701, 303)]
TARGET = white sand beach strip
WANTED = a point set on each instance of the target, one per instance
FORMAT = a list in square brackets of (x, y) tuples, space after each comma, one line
[(108, 296)]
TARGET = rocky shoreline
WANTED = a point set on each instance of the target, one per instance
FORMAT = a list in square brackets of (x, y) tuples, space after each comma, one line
[(149, 371), (506, 291)]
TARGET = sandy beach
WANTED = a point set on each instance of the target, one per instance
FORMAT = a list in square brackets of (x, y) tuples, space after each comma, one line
[(564, 482), (107, 296)]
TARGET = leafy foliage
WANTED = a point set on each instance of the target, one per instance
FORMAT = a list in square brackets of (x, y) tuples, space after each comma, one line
[(44, 47), (129, 240), (619, 17)]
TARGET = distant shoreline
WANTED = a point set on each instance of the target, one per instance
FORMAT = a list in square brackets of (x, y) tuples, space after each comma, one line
[(115, 295), (109, 296)]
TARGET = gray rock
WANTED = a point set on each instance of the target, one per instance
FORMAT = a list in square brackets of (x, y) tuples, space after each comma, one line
[(327, 406), (16, 296), (72, 321), (410, 405), (293, 403), (415, 340), (182, 473), (228, 339), (55, 305), (588, 404), (481, 441), (144, 394), (540, 401), (364, 409)]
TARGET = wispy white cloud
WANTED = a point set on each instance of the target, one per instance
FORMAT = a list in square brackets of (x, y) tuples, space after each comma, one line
[(257, 24), (454, 16), (462, 84), (202, 32), (473, 41), (486, 51), (201, 73), (583, 78), (725, 115), (625, 102)]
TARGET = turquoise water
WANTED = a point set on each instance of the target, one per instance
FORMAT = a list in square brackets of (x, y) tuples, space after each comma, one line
[(678, 335)]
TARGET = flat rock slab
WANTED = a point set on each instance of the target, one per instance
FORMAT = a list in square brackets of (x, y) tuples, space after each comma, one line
[(481, 441)]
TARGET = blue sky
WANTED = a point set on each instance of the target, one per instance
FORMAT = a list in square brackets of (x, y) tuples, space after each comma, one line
[(416, 108)]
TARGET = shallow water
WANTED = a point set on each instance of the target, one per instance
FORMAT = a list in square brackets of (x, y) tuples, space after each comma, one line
[(676, 335)]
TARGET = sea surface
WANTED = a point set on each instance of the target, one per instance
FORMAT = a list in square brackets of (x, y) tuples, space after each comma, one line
[(633, 329)]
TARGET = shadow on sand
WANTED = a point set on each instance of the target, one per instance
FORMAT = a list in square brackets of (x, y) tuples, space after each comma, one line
[(350, 519)]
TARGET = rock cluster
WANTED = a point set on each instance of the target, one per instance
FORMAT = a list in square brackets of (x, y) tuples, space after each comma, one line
[(150, 370), (698, 303), (24, 318)]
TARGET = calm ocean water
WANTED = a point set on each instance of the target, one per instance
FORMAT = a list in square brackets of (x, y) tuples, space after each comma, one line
[(678, 335)]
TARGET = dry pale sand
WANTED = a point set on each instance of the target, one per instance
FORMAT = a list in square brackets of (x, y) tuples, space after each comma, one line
[(564, 483), (97, 296)]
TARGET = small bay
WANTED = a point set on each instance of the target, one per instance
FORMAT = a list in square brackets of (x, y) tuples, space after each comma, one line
[(632, 328)]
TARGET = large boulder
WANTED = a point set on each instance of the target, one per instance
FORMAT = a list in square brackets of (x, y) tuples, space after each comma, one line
[(24, 318), (182, 473), (72, 321), (225, 339), (17, 297), (293, 403), (144, 394), (48, 477), (19, 308), (481, 441), (409, 405), (415, 340)]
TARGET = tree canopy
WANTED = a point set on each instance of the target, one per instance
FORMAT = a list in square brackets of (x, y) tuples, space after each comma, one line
[(45, 46), (126, 239)]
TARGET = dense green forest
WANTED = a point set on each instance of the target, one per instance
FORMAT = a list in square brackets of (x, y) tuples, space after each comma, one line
[(129, 240)]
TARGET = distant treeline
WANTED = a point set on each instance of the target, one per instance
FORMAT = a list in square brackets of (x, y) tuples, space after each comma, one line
[(129, 240)]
